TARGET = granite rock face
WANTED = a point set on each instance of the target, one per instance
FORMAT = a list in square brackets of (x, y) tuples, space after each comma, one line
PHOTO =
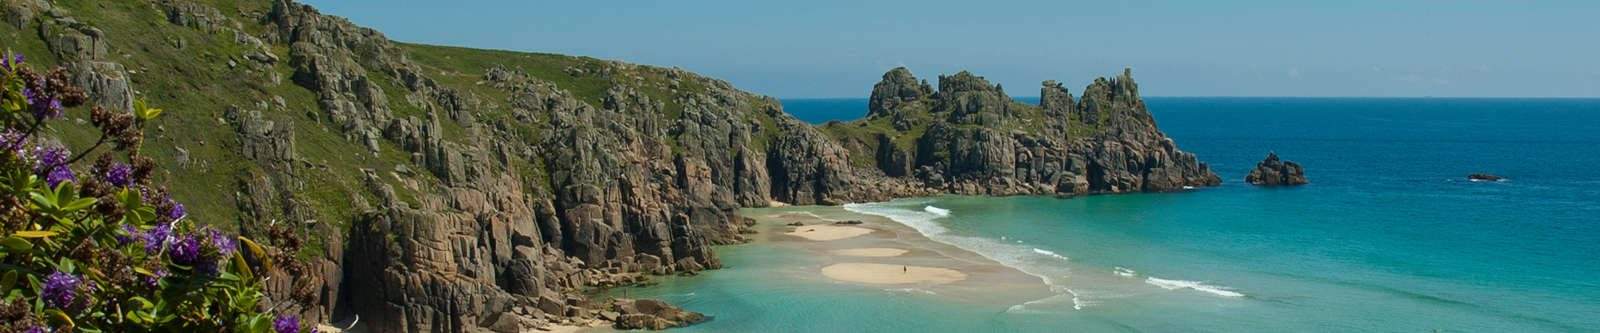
[(1275, 172)]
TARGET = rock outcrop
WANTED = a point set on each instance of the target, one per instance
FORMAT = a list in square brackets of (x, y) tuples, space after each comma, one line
[(628, 314), (1274, 172), (1484, 177), (970, 137), (897, 87)]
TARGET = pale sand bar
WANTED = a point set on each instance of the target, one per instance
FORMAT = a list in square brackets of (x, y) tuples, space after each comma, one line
[(823, 232), (891, 274), (877, 252)]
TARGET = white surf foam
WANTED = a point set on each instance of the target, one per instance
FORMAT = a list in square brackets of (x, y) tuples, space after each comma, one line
[(937, 211), (1192, 285), (912, 290), (1124, 272), (1052, 254)]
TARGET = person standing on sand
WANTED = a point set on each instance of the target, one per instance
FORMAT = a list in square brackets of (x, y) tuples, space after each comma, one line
[(904, 270)]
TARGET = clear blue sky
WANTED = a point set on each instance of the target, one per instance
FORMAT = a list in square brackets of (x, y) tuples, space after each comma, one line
[(839, 48)]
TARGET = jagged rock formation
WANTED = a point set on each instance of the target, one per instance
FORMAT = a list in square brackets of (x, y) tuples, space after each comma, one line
[(970, 137), (898, 86), (449, 190), (1274, 172)]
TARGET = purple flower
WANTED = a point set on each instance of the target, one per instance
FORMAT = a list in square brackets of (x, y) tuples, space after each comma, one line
[(60, 174), (130, 232), (47, 109), (185, 251), (157, 238), (47, 157), (286, 324), (11, 62), (120, 174), (61, 290), (225, 245), (44, 106), (155, 281), (13, 141), (177, 211), (36, 329)]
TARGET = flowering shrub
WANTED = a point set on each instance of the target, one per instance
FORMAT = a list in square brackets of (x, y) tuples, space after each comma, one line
[(100, 247)]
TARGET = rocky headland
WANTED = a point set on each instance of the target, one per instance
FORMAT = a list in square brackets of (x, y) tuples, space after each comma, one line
[(446, 189)]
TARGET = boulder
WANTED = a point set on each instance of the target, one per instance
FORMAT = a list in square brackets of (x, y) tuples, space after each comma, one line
[(652, 315)]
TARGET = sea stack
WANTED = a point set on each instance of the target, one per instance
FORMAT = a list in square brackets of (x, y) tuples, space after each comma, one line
[(1275, 172)]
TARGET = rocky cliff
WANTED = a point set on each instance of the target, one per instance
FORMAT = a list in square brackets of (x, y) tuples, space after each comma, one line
[(446, 189)]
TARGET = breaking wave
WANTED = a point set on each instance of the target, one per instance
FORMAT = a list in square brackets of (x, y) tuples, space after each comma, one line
[(1192, 285)]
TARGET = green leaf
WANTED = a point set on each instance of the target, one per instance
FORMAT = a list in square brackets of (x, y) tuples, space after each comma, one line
[(43, 200), (242, 267), (6, 281), (78, 204), (145, 112), (63, 321), (16, 244), (144, 304)]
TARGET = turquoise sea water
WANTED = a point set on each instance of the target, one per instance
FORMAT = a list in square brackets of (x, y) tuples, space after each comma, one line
[(1388, 237)]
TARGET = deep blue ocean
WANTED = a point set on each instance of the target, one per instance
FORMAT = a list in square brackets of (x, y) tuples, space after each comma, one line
[(1389, 236)]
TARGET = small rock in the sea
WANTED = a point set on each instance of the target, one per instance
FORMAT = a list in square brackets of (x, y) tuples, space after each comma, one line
[(1484, 177), (1275, 172), (850, 222), (796, 224)]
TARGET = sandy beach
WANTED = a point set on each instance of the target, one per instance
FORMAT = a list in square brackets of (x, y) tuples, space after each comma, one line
[(891, 274), (874, 252), (824, 232), (877, 252)]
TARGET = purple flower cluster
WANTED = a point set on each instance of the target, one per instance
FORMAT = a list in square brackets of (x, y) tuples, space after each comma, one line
[(119, 174), (185, 251), (43, 105), (131, 233), (50, 161), (177, 211), (61, 291), (10, 63), (13, 141), (225, 245), (155, 281), (156, 238), (286, 324)]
